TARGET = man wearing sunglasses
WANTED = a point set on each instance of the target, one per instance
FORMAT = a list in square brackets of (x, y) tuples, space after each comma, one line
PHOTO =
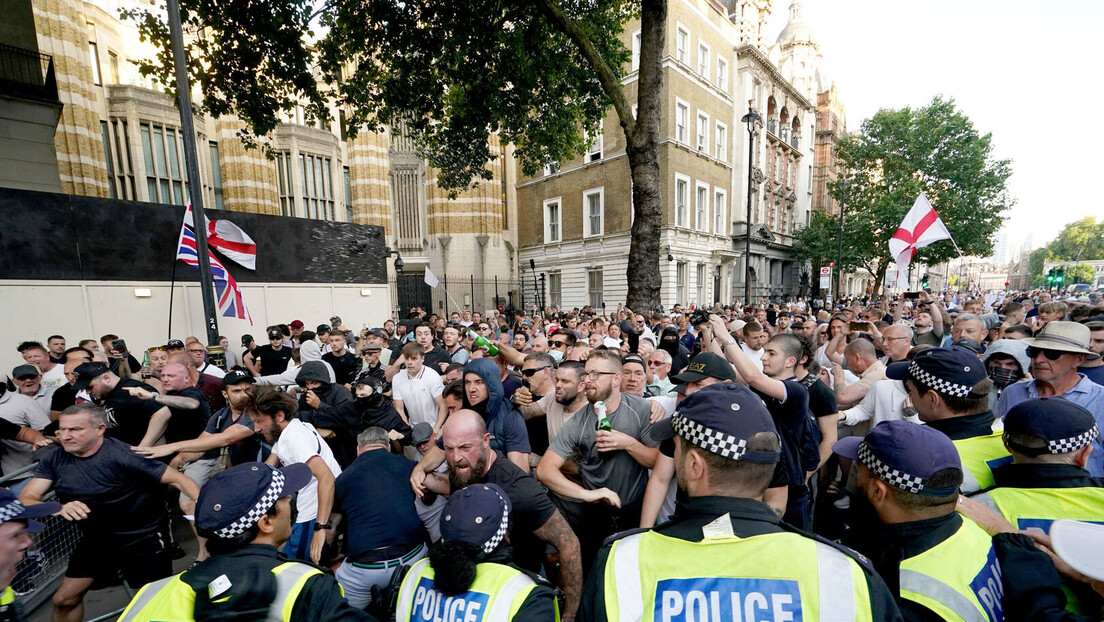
[(1055, 353)]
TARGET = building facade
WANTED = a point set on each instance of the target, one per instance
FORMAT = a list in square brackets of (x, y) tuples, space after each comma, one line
[(119, 137), (576, 217)]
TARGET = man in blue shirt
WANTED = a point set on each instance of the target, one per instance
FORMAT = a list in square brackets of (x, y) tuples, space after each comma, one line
[(1055, 353)]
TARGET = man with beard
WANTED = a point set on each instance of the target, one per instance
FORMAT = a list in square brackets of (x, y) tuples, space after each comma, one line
[(537, 369), (614, 463), (534, 519), (721, 555), (293, 441), (567, 398), (230, 427)]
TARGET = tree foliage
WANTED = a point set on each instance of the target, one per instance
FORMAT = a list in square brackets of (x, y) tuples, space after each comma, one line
[(1079, 273), (896, 155), (1037, 261), (450, 74), (1083, 239)]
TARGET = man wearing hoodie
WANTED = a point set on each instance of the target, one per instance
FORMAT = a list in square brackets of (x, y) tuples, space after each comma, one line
[(680, 355), (1006, 363), (329, 406)]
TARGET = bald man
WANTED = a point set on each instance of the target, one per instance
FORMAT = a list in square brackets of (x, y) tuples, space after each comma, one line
[(862, 360), (534, 519)]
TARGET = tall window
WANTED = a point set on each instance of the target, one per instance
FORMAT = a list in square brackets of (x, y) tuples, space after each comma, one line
[(348, 193), (124, 167), (107, 156), (682, 46), (552, 225), (636, 51), (318, 198), (594, 145), (701, 207), (701, 284), (703, 60), (703, 132), (592, 212), (113, 65), (162, 148), (555, 289), (680, 283), (720, 226), (216, 175), (722, 142), (722, 74), (682, 192), (94, 53), (284, 183), (594, 287), (682, 121)]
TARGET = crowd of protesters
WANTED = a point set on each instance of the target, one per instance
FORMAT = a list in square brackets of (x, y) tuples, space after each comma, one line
[(927, 440)]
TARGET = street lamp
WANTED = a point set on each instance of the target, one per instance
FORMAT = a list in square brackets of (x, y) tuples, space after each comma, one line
[(839, 251), (751, 118)]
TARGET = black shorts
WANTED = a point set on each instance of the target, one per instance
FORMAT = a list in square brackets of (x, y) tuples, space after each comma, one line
[(141, 559)]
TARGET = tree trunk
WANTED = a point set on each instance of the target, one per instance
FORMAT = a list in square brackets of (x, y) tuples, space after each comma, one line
[(642, 148)]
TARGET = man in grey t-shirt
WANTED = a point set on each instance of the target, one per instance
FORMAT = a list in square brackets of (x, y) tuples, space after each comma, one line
[(613, 465)]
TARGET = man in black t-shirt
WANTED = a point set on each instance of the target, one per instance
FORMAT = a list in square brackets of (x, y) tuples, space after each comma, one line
[(115, 496), (534, 519), (345, 364), (436, 358), (128, 416), (270, 359)]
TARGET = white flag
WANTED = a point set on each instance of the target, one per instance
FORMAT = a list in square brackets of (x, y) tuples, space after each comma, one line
[(921, 227), (430, 279)]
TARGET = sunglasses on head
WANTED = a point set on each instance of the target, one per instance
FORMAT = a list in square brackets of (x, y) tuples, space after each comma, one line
[(1052, 355)]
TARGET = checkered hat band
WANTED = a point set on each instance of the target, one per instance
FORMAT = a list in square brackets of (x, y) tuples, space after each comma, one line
[(10, 510), (709, 439), (1066, 445), (888, 474), (267, 500), (503, 526), (942, 386)]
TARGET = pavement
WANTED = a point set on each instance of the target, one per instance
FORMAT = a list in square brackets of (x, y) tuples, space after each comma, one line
[(98, 603)]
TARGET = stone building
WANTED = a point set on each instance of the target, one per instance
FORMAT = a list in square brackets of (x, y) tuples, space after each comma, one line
[(119, 136)]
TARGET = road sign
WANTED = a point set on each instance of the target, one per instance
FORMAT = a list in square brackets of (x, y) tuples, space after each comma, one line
[(825, 277), (826, 271)]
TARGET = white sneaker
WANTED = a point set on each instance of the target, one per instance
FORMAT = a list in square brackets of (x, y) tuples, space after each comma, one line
[(843, 503)]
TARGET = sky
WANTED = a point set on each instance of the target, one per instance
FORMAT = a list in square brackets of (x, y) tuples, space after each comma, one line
[(1027, 72)]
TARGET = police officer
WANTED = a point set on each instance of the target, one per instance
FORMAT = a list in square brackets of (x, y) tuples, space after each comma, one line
[(939, 565), (1050, 439), (726, 555), (245, 513), (468, 574), (949, 389), (15, 529)]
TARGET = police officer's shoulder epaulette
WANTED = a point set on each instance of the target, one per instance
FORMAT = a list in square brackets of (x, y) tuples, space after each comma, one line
[(862, 560), (621, 534)]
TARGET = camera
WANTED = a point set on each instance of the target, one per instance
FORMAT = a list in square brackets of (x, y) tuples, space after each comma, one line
[(699, 317)]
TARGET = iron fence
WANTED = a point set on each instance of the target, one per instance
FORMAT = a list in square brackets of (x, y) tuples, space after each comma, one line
[(457, 293), (28, 73)]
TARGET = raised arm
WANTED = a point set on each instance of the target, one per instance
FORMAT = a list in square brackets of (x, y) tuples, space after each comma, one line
[(745, 367)]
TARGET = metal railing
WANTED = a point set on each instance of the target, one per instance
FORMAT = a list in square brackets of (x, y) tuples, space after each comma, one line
[(27, 73)]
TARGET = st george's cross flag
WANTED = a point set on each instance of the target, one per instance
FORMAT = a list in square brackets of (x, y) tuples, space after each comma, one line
[(921, 227), (227, 295), (234, 244)]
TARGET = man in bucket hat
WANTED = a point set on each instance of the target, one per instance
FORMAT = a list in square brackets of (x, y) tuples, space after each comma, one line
[(726, 554), (1055, 353), (246, 514)]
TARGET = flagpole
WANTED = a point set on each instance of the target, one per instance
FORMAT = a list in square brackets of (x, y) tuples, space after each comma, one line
[(172, 290), (195, 185)]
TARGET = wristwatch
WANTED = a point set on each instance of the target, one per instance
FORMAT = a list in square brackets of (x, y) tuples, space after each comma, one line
[(322, 526), (730, 341)]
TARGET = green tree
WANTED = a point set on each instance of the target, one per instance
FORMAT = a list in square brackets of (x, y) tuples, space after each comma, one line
[(453, 74), (1080, 273), (896, 155), (1036, 262), (1083, 239)]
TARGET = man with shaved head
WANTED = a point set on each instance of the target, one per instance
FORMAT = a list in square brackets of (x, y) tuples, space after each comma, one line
[(534, 519), (862, 360)]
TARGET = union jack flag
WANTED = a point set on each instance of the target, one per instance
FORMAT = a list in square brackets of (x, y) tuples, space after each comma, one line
[(227, 294)]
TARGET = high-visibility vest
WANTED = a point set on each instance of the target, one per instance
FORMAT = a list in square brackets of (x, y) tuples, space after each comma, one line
[(958, 579), (496, 595), (172, 600), (7, 605), (1037, 508), (979, 456), (649, 576)]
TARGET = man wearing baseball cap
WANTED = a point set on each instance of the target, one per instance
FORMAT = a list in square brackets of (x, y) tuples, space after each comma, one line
[(296, 329), (726, 554), (1056, 351), (949, 389), (271, 358), (16, 525), (468, 574), (245, 513), (939, 565)]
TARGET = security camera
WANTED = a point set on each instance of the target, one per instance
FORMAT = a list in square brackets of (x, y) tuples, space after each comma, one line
[(399, 264)]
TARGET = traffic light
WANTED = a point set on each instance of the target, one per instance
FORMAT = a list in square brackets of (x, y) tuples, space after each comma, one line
[(1061, 275), (924, 281)]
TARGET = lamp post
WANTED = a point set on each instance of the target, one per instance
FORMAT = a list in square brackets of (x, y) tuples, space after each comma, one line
[(751, 118), (839, 249)]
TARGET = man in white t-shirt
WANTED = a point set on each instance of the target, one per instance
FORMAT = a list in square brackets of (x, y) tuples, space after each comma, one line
[(754, 339), (417, 390), (294, 441)]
